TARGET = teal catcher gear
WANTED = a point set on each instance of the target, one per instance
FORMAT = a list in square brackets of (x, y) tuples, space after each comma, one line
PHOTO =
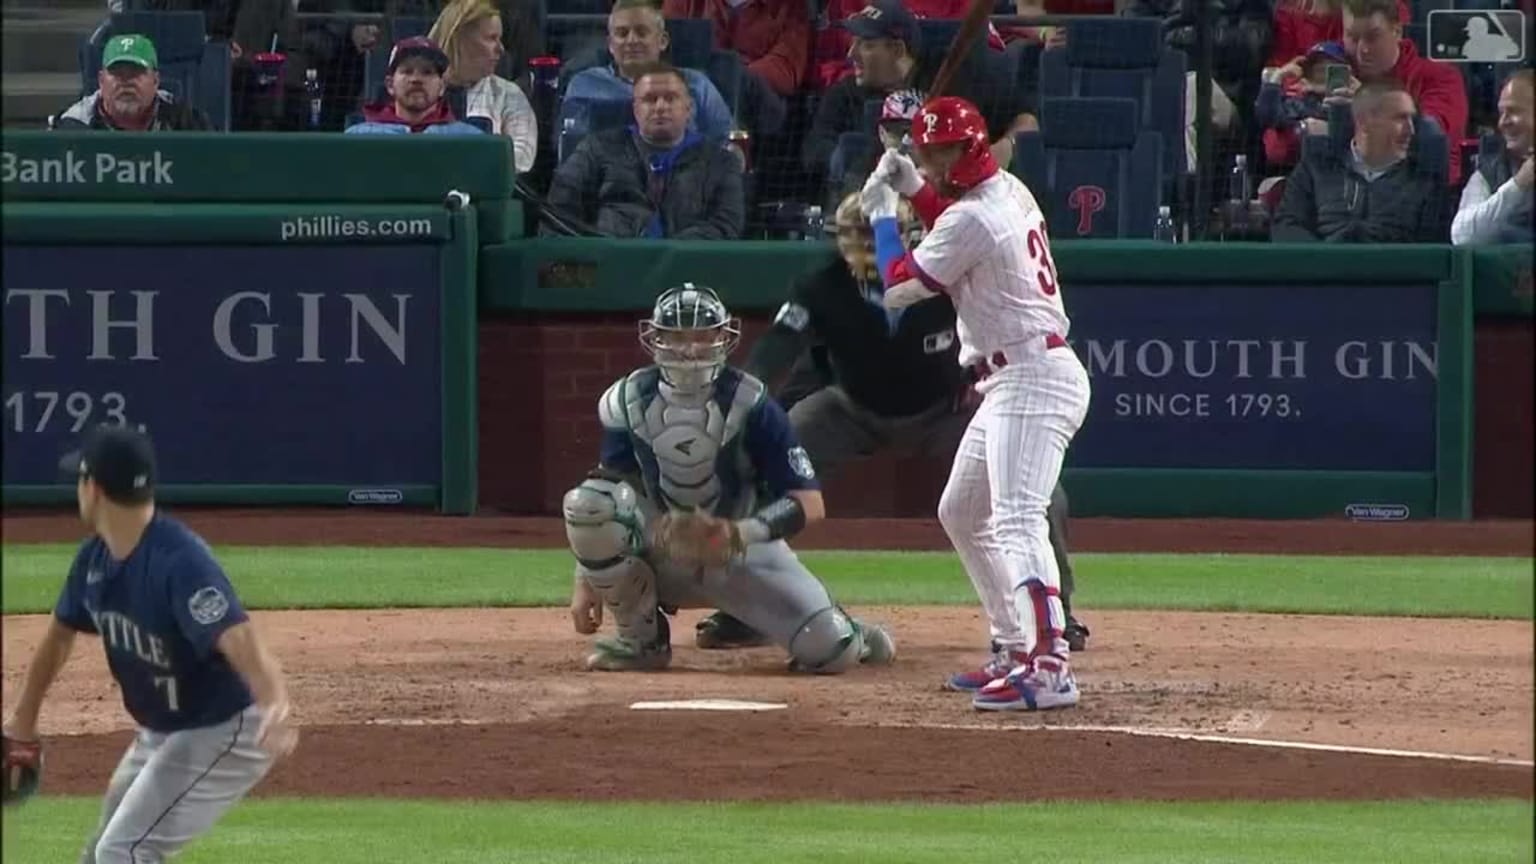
[(689, 335)]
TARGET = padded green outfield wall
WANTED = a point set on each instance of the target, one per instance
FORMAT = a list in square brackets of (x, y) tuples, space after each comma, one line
[(294, 317), (1232, 379)]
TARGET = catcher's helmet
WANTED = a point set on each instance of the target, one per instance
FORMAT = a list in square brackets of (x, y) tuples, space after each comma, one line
[(950, 119), (689, 335)]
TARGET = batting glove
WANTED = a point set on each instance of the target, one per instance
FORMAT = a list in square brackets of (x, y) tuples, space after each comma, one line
[(899, 173), (878, 200)]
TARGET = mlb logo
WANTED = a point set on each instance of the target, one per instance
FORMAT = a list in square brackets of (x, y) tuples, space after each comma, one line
[(1477, 36)]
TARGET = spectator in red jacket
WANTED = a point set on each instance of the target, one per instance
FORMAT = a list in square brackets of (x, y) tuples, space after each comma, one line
[(1300, 24), (773, 38), (1373, 36)]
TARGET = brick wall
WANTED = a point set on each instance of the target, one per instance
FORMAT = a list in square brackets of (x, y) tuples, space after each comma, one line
[(1503, 474), (539, 384)]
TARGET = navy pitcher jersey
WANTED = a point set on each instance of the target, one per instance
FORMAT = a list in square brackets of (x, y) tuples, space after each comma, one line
[(159, 614)]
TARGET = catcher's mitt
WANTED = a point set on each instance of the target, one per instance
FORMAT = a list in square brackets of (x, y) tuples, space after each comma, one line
[(23, 765), (696, 539)]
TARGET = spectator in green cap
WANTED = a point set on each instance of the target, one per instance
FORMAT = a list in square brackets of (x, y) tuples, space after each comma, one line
[(130, 98)]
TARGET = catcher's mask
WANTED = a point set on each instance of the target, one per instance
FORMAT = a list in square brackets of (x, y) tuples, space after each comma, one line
[(689, 335), (856, 240)]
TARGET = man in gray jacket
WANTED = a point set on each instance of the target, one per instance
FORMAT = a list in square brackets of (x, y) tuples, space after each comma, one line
[(653, 179), (1371, 193)]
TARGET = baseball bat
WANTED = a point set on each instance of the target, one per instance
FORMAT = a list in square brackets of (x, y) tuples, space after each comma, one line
[(965, 38)]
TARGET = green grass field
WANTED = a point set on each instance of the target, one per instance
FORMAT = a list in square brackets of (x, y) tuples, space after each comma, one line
[(344, 577), (336, 831), (376, 831)]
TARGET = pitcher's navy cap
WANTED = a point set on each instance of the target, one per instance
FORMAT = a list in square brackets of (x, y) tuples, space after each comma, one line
[(119, 459)]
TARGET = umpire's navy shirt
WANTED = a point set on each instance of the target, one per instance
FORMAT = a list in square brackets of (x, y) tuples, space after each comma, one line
[(159, 614)]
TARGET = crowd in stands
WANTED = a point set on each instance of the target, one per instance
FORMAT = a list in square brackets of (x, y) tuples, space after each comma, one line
[(719, 119)]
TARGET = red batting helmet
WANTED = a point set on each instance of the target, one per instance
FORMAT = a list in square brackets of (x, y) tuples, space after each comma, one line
[(949, 119)]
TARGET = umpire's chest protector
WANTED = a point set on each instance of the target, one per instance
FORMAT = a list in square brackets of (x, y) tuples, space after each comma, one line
[(690, 455)]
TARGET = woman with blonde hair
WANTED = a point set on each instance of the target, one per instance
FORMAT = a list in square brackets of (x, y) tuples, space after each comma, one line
[(469, 31)]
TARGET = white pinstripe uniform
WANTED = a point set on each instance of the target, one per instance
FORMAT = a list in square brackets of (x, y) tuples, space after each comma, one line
[(989, 251)]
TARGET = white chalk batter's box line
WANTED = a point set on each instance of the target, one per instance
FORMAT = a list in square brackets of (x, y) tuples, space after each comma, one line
[(1206, 738), (1138, 731)]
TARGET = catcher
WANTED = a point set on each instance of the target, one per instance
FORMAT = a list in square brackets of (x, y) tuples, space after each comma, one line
[(892, 381), (699, 484)]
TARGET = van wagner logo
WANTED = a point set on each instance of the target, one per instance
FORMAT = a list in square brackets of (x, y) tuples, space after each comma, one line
[(375, 496), (1377, 512)]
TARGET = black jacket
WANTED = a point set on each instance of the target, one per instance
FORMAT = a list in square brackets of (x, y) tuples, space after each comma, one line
[(1241, 32), (1327, 199), (842, 105), (605, 183), (170, 116), (898, 374)]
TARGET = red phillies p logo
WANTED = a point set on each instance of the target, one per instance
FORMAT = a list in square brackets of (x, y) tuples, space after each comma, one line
[(1086, 200)]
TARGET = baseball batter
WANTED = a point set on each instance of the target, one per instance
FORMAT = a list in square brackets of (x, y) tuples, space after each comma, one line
[(210, 702), (699, 484), (893, 382), (990, 254)]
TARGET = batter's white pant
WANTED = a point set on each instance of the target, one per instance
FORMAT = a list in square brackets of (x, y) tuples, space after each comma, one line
[(171, 787), (993, 507)]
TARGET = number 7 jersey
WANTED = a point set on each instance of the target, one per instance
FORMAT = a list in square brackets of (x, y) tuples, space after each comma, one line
[(990, 253)]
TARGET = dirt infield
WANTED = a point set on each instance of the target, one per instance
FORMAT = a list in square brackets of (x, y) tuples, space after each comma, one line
[(487, 703)]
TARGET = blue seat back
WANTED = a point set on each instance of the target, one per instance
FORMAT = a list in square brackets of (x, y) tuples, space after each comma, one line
[(588, 116), (1095, 174), (192, 69), (1124, 58)]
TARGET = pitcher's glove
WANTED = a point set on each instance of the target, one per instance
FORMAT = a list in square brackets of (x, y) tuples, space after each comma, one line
[(695, 539), (23, 766)]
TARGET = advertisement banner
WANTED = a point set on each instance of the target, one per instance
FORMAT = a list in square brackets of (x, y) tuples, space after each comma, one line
[(248, 365), (1307, 376)]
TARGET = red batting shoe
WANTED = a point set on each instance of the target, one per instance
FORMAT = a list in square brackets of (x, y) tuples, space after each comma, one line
[(1046, 683), (996, 667)]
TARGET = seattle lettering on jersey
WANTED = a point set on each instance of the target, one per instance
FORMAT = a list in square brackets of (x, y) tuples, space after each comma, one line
[(160, 612), (120, 634)]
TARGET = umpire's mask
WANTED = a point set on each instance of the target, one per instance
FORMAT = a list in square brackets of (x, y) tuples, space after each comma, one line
[(689, 335), (856, 240)]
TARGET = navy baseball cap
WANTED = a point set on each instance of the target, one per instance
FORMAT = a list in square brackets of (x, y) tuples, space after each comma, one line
[(418, 46), (119, 459), (1331, 50), (885, 19)]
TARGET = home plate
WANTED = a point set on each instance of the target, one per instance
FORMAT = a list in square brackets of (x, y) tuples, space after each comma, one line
[(708, 705)]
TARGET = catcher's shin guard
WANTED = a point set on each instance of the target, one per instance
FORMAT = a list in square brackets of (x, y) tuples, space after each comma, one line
[(628, 589), (827, 643)]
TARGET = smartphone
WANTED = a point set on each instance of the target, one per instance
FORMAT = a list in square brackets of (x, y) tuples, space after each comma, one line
[(1337, 76)]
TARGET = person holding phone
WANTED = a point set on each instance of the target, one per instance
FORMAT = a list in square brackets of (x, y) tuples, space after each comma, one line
[(1295, 96)]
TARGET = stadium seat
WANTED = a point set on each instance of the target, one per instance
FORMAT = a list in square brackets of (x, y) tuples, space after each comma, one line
[(192, 69), (1124, 58), (1094, 172), (588, 116), (728, 73)]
